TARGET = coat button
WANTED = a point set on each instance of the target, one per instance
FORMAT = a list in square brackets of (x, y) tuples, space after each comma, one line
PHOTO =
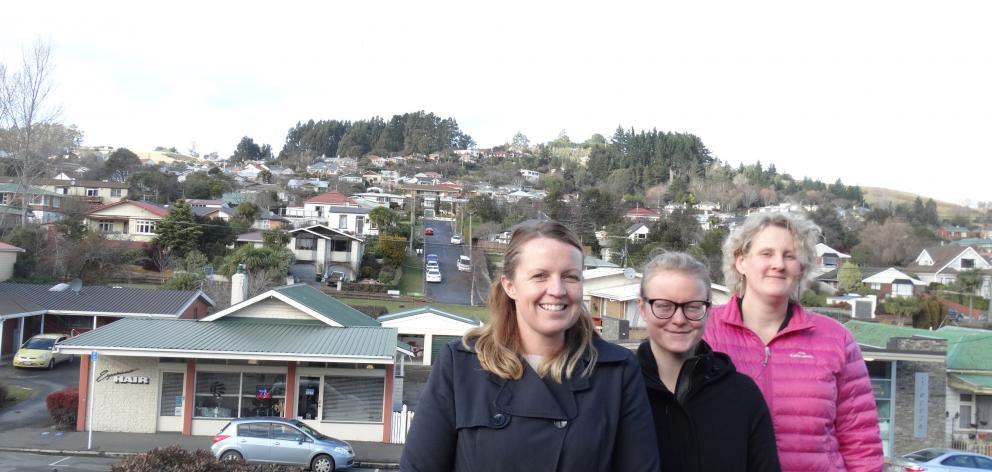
[(498, 420), (561, 424)]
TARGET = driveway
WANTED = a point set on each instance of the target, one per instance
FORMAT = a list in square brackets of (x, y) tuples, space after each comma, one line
[(33, 412)]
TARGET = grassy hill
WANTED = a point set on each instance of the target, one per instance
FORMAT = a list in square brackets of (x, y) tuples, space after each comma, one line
[(876, 196)]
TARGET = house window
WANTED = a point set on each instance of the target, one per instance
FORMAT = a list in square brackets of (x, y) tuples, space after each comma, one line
[(56, 202), (106, 226), (340, 245), (115, 192), (881, 375), (3, 198), (262, 394), (171, 403), (62, 190), (902, 289), (829, 260), (217, 394), (966, 408), (967, 263), (875, 285), (37, 199), (343, 222), (92, 192), (144, 227), (356, 399), (306, 244)]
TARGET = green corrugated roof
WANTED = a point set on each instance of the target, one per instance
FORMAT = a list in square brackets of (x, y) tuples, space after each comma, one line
[(326, 305), (254, 336), (967, 348), (982, 381), (429, 309), (15, 188)]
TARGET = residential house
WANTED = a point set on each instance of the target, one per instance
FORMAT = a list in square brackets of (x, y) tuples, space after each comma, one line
[(292, 352), (201, 203), (638, 232), (323, 250), (45, 206), (351, 178), (30, 309), (351, 220), (126, 220), (942, 264), (374, 199), (313, 185), (316, 210), (371, 178), (530, 175), (893, 282), (952, 232), (428, 329), (95, 192), (706, 207), (8, 257), (982, 245), (828, 258), (642, 214), (253, 238)]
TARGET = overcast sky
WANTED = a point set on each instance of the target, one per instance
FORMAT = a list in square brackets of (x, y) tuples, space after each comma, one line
[(878, 93)]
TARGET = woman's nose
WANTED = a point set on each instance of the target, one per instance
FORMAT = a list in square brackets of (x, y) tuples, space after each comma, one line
[(556, 287)]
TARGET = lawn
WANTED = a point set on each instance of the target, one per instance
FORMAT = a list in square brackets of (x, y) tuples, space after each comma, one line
[(412, 281), (15, 394)]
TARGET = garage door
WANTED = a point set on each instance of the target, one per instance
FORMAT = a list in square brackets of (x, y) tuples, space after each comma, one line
[(438, 342)]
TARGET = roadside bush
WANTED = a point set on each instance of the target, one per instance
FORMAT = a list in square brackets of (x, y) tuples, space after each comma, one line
[(62, 406), (3, 394), (176, 459)]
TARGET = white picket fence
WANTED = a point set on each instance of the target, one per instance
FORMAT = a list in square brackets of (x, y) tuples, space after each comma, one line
[(400, 425)]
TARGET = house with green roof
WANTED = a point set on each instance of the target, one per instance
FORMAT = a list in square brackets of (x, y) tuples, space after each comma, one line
[(428, 329), (957, 365), (290, 352)]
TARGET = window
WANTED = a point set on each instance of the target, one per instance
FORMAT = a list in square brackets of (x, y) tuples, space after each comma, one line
[(343, 222), (353, 399), (115, 192), (62, 190), (900, 289), (262, 394), (253, 430), (106, 226), (92, 192), (965, 407), (56, 202), (172, 394), (286, 432), (967, 263), (306, 243), (875, 285), (983, 463), (958, 461), (340, 245), (3, 198), (217, 394), (144, 227)]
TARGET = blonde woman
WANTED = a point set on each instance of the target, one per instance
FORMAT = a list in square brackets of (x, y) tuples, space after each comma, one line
[(808, 366), (535, 388)]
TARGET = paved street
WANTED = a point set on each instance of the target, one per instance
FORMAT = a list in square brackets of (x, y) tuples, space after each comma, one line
[(23, 462), (32, 412), (455, 285)]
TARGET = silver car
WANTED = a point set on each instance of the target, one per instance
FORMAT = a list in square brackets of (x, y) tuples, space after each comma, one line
[(937, 459), (281, 441)]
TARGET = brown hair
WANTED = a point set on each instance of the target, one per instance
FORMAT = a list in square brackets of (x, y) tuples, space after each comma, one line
[(497, 343)]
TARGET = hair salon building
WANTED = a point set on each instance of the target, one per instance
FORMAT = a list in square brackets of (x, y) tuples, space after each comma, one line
[(291, 352)]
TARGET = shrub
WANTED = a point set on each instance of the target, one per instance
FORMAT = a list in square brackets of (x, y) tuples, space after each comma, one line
[(3, 394), (176, 459), (62, 407)]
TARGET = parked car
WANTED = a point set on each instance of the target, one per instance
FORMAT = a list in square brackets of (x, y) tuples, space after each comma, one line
[(429, 231), (464, 263), (938, 459), (276, 440), (39, 351), (456, 239), (432, 262), (433, 275)]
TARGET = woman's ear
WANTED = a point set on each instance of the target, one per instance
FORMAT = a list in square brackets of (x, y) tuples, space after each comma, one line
[(508, 287), (643, 308), (739, 263)]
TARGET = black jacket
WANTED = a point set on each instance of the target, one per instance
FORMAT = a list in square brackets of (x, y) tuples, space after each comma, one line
[(716, 421), (471, 420)]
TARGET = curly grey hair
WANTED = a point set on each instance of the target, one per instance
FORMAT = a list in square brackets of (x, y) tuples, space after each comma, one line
[(805, 235), (676, 262)]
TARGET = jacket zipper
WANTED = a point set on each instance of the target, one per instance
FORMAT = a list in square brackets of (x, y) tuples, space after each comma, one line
[(768, 353)]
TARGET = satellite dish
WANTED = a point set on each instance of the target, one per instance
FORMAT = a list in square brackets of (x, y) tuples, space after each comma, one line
[(76, 285), (59, 288), (629, 273)]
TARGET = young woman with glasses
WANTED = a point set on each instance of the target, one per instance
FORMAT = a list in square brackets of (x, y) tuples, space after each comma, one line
[(708, 417)]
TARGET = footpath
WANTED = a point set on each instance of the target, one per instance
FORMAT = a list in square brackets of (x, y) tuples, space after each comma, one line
[(370, 455)]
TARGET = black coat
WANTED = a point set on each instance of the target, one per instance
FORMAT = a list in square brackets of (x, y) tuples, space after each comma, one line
[(472, 420), (716, 421)]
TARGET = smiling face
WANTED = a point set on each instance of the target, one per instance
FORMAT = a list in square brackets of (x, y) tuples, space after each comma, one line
[(676, 335), (770, 267), (546, 288)]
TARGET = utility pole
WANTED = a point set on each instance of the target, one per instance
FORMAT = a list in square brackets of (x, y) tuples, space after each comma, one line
[(471, 264), (413, 220)]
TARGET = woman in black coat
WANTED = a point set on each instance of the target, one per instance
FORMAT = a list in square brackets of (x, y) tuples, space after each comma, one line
[(534, 389), (708, 417)]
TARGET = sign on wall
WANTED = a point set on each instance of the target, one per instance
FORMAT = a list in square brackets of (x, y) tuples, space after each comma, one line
[(921, 397)]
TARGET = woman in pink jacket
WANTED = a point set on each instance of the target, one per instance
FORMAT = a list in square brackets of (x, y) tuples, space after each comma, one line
[(808, 366)]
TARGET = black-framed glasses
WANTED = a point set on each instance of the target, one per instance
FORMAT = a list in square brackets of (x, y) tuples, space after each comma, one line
[(693, 310)]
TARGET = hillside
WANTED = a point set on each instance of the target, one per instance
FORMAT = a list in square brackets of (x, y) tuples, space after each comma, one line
[(875, 196)]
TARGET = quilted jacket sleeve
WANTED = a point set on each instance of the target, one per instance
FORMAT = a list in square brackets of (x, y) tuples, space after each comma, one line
[(857, 417), (431, 442)]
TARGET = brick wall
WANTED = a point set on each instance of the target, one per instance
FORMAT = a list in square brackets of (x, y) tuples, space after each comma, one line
[(905, 440)]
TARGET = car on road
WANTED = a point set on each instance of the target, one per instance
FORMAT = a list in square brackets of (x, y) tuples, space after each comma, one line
[(939, 459), (429, 231), (432, 262), (456, 239), (464, 263), (281, 441), (39, 351), (433, 275)]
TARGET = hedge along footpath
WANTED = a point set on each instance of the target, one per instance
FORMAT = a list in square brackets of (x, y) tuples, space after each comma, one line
[(62, 406)]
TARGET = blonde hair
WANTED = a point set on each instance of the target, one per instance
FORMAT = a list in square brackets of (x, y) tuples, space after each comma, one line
[(805, 235), (675, 261), (497, 343)]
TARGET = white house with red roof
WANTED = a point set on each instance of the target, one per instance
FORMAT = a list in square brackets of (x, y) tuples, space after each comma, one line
[(642, 214), (127, 220)]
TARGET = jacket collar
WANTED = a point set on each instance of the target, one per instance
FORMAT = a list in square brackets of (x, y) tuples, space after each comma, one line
[(704, 367), (732, 316)]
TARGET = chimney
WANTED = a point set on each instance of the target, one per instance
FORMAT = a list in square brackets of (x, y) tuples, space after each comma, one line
[(239, 286)]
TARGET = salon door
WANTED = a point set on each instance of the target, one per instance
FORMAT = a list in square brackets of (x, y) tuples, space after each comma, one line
[(308, 399)]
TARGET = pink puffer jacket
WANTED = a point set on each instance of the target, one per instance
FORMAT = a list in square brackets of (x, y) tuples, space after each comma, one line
[(816, 385)]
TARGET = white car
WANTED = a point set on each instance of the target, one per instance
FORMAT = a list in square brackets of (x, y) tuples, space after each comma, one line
[(456, 239), (464, 264), (433, 275)]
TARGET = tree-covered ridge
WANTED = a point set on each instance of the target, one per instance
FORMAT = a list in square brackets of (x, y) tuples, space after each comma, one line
[(409, 133)]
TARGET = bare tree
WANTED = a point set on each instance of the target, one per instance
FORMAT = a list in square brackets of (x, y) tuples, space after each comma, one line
[(25, 116)]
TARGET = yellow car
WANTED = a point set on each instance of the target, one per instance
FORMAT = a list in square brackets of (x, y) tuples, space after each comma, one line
[(39, 351)]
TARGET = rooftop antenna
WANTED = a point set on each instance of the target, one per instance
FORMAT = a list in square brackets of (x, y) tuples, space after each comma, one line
[(59, 287), (76, 285)]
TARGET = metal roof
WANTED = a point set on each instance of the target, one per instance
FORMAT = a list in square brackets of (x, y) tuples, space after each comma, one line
[(93, 299), (324, 304), (257, 337), (431, 310), (980, 381), (968, 349)]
